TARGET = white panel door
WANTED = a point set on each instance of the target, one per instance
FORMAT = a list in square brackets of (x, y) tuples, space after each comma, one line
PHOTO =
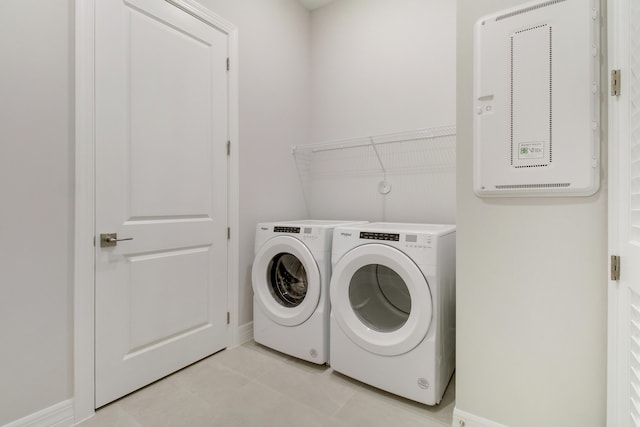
[(624, 301), (161, 180)]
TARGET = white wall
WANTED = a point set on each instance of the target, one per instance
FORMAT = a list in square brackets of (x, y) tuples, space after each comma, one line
[(531, 340), (531, 301), (382, 66), (36, 173), (379, 67), (274, 115)]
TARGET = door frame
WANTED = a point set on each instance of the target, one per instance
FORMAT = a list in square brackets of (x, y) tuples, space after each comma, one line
[(615, 61), (84, 219)]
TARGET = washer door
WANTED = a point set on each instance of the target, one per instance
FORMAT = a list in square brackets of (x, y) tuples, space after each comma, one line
[(286, 281), (380, 299)]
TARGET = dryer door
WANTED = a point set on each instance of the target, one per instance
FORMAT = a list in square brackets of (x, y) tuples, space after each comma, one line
[(380, 299), (286, 280)]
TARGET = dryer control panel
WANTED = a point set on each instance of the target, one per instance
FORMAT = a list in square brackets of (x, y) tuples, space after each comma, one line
[(405, 241), (409, 240), (394, 237)]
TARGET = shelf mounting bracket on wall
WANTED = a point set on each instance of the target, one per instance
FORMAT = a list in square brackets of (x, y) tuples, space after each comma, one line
[(384, 187), (376, 160)]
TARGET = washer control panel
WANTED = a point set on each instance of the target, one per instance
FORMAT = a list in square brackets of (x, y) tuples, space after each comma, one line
[(281, 229)]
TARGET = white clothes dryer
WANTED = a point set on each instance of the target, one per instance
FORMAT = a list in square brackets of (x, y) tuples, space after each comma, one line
[(392, 298), (290, 278)]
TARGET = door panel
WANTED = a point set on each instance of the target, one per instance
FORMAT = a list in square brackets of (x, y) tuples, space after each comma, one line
[(182, 274), (624, 296), (169, 145), (161, 180), (631, 218)]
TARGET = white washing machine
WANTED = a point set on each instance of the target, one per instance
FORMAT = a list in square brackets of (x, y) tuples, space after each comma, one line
[(290, 278), (393, 307)]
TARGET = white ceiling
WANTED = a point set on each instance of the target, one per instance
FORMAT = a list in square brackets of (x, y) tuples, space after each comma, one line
[(314, 4)]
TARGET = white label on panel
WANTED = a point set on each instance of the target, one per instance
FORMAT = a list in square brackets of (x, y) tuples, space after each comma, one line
[(531, 150)]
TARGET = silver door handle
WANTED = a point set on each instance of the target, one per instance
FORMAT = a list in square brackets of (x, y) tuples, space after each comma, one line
[(108, 240)]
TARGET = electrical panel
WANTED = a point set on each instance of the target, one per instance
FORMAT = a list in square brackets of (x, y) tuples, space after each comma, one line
[(536, 100)]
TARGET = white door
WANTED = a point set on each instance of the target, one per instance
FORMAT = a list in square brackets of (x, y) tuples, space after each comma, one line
[(161, 180), (624, 152)]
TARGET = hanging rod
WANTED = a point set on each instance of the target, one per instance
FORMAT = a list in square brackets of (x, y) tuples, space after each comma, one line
[(368, 141)]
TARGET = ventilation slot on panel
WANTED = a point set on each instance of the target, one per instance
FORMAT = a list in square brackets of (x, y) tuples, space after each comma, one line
[(531, 186), (531, 97), (528, 9), (634, 359)]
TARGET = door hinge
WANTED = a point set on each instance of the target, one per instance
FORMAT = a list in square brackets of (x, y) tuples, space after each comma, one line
[(228, 148), (228, 65), (615, 267), (615, 82), (228, 318), (228, 233)]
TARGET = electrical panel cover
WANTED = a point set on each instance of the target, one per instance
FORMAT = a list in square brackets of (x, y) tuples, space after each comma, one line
[(536, 100)]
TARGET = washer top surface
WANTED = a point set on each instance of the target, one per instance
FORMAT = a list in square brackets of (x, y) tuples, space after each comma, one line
[(315, 234), (314, 223), (398, 227)]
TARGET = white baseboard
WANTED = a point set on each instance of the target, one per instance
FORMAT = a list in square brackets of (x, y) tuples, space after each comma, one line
[(58, 415), (244, 334), (465, 419)]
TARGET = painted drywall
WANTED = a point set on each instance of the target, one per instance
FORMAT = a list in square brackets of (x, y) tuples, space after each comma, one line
[(531, 287), (314, 4), (380, 67), (36, 173), (274, 103)]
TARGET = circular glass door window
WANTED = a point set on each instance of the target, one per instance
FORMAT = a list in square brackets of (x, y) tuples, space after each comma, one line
[(379, 298), (288, 279)]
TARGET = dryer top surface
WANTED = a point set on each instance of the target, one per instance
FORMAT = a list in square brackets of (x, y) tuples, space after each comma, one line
[(396, 227)]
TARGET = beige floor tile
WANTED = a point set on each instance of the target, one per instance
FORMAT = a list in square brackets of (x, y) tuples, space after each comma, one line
[(293, 414), (111, 416), (442, 412), (248, 405), (209, 380), (252, 385), (260, 405), (248, 360), (368, 409), (167, 403), (315, 390)]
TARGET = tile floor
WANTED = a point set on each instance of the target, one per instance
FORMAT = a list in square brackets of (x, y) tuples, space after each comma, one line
[(252, 385)]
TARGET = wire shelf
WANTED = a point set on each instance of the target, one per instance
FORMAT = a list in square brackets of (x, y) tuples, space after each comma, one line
[(375, 168)]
